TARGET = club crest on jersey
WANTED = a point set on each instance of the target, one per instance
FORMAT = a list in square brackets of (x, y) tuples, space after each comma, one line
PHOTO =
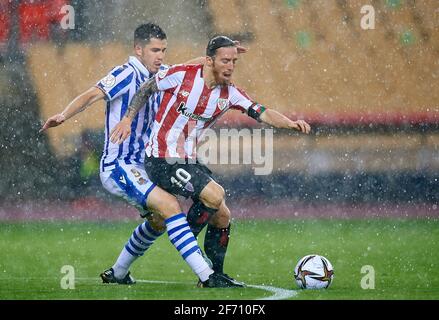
[(109, 81), (222, 103)]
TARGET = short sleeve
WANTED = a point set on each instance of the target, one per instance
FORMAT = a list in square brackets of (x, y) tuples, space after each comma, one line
[(239, 99), (116, 82), (170, 78)]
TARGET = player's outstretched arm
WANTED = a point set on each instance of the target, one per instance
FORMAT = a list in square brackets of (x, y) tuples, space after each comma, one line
[(122, 130), (278, 120), (80, 103)]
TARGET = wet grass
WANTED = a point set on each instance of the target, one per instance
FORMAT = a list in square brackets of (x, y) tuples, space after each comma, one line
[(404, 255)]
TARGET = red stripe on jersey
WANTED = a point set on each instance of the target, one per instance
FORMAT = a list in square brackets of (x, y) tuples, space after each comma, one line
[(199, 110), (162, 108), (168, 94), (172, 115)]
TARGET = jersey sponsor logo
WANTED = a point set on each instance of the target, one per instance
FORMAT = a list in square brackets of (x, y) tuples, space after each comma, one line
[(109, 81), (122, 179), (222, 103), (183, 110), (184, 93)]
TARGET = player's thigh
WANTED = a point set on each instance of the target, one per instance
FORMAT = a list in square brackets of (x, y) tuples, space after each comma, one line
[(130, 182), (163, 203)]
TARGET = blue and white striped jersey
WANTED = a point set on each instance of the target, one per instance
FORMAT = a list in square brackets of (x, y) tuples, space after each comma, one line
[(119, 86)]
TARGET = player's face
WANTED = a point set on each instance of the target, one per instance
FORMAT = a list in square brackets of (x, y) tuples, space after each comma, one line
[(224, 64), (152, 54)]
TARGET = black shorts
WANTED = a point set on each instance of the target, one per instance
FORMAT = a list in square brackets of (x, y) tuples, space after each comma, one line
[(177, 177)]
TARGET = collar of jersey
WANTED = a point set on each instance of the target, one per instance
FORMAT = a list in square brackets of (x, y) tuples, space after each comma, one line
[(135, 62)]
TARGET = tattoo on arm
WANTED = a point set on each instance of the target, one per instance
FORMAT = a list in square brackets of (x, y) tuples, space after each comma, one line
[(140, 98)]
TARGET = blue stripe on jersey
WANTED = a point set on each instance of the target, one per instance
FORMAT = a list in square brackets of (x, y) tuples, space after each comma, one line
[(139, 79), (119, 70), (132, 140), (145, 127), (107, 135), (123, 109), (121, 85), (138, 76), (152, 116)]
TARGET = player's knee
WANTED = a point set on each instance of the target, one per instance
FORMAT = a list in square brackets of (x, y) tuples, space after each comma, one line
[(169, 207), (157, 222), (222, 217), (214, 196)]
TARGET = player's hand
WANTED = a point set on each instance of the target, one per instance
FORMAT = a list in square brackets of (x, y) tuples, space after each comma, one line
[(121, 131), (53, 121), (302, 126), (240, 48)]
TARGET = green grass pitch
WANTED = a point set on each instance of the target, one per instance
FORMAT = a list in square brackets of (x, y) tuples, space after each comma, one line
[(403, 253)]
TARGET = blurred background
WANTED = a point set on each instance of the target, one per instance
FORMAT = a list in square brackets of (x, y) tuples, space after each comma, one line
[(371, 97)]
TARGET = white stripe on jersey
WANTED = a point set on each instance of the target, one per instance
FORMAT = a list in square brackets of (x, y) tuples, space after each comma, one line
[(119, 86), (181, 121)]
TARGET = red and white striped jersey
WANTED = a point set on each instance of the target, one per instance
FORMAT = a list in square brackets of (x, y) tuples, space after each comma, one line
[(189, 107)]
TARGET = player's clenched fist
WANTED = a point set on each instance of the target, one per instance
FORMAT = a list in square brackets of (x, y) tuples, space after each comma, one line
[(53, 121), (302, 126), (121, 131)]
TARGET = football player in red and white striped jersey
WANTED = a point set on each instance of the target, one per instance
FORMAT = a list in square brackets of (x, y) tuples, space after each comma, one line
[(194, 97)]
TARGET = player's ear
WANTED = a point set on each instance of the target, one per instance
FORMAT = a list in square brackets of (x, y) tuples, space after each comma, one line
[(138, 48), (209, 61)]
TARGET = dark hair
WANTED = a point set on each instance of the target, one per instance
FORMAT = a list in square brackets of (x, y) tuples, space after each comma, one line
[(145, 32), (216, 43)]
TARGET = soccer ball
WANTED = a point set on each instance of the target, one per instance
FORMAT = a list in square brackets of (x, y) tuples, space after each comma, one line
[(313, 272)]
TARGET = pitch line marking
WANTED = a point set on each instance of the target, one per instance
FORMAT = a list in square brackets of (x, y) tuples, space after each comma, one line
[(278, 293)]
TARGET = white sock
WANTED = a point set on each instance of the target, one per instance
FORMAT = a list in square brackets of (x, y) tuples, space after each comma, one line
[(140, 241), (123, 264), (183, 239)]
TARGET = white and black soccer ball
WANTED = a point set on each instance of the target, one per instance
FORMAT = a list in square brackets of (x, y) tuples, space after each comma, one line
[(313, 272)]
